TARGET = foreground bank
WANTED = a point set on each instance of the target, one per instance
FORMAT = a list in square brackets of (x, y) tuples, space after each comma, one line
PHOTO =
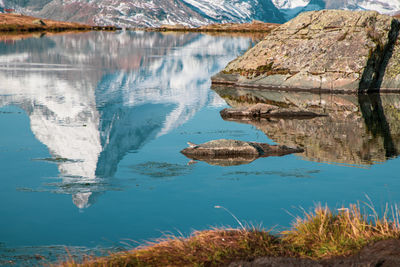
[(321, 238)]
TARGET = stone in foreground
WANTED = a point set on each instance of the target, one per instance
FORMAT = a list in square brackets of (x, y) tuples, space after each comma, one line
[(261, 110), (328, 50), (227, 152)]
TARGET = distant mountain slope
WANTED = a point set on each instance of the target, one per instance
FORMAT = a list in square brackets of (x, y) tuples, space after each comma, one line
[(144, 13)]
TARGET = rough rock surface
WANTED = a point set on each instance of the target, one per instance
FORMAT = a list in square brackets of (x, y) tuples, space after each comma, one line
[(384, 253), (322, 50), (233, 152), (391, 78)]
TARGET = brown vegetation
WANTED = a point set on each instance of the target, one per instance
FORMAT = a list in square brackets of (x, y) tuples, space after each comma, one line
[(22, 23), (320, 234), (253, 27)]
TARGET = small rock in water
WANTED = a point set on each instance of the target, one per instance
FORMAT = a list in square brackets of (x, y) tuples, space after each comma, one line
[(228, 152)]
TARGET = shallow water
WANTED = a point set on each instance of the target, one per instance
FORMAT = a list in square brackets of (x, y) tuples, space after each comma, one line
[(92, 125)]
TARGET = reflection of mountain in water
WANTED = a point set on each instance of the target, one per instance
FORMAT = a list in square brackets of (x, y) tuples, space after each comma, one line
[(359, 130), (93, 97)]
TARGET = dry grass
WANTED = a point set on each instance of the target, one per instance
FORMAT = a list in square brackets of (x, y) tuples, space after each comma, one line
[(322, 233), (319, 234), (203, 248), (253, 27), (22, 23)]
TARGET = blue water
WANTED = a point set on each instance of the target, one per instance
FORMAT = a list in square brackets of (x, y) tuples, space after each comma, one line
[(91, 129)]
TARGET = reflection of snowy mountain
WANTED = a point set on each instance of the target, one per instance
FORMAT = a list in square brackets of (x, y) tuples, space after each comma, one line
[(182, 86), (90, 106), (62, 116)]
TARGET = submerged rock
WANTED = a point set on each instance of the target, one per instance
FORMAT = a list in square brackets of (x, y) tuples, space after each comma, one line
[(331, 50), (261, 110), (233, 152)]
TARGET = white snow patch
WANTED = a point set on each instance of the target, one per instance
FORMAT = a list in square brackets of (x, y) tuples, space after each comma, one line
[(290, 4)]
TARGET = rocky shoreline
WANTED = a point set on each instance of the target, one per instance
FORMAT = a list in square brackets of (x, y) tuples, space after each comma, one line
[(329, 50), (384, 253), (344, 237)]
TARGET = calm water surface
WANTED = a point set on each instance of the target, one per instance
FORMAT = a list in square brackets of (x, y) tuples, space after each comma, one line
[(92, 125)]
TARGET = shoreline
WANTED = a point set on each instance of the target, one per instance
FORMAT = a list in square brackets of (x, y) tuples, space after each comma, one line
[(18, 23), (252, 27), (218, 82), (322, 237)]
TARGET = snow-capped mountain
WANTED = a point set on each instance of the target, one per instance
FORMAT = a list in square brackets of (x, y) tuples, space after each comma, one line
[(290, 4), (291, 8), (143, 13)]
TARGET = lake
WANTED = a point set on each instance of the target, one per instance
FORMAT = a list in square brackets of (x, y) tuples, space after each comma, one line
[(92, 128)]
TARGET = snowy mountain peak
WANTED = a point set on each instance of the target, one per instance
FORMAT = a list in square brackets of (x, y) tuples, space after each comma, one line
[(290, 4), (143, 13)]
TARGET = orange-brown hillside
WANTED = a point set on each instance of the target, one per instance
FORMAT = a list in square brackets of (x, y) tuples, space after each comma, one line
[(252, 27), (18, 22)]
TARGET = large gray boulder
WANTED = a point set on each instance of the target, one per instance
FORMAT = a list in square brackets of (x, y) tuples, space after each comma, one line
[(328, 50)]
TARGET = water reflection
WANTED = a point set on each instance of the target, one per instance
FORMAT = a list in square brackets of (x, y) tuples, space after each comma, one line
[(358, 129), (93, 97)]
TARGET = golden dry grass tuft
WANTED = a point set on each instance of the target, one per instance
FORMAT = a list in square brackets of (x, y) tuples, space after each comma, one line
[(322, 233), (203, 248)]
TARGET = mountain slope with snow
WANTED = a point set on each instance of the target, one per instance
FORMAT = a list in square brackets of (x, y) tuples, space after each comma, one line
[(291, 8), (143, 13)]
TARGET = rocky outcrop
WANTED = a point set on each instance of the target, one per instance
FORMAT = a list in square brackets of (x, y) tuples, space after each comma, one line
[(233, 152), (358, 130), (261, 110), (385, 253), (329, 50)]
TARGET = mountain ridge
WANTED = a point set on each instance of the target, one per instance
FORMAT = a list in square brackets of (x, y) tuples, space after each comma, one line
[(154, 13)]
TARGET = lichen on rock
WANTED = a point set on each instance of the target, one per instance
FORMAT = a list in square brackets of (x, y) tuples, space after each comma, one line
[(326, 50)]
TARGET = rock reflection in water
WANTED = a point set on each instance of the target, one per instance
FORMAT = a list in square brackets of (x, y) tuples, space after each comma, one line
[(358, 129), (93, 97)]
